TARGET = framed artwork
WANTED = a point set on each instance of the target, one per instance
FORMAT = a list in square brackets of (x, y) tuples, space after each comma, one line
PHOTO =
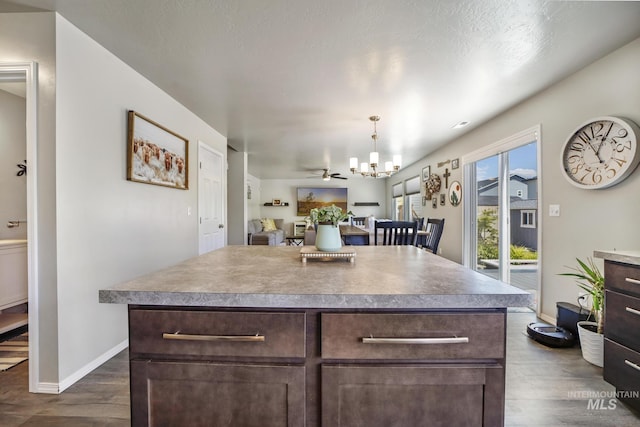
[(309, 198), (434, 201), (443, 199), (156, 155), (455, 163), (426, 171), (276, 202), (455, 193)]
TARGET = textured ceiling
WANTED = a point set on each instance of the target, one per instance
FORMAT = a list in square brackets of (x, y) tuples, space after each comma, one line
[(293, 82)]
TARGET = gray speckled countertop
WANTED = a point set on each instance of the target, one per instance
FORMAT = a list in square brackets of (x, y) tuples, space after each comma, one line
[(626, 257), (275, 277)]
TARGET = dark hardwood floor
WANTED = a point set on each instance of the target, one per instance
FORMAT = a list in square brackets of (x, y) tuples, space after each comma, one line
[(543, 389)]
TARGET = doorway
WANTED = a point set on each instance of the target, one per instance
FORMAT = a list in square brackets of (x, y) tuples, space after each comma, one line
[(502, 226), (27, 73), (211, 199)]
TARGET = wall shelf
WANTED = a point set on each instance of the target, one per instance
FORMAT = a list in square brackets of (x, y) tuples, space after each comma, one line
[(277, 206), (366, 204)]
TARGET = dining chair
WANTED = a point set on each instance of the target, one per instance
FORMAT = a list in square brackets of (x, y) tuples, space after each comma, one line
[(396, 232), (358, 221), (431, 239)]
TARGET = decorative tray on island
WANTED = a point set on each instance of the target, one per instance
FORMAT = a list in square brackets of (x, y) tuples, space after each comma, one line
[(311, 252)]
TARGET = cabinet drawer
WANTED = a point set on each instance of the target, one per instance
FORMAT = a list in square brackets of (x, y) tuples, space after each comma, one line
[(622, 321), (413, 336), (622, 277), (211, 333), (621, 366)]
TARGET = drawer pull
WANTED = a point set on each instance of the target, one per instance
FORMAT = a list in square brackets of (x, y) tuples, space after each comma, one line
[(634, 281), (633, 310), (451, 340), (633, 365), (231, 338)]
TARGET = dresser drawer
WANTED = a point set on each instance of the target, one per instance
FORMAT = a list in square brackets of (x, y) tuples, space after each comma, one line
[(213, 333), (622, 319), (622, 277), (621, 366), (413, 336)]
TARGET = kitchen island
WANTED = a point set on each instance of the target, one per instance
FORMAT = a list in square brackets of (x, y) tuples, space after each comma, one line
[(250, 335)]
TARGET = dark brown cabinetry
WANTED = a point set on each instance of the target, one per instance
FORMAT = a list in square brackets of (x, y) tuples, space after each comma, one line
[(203, 366), (622, 323)]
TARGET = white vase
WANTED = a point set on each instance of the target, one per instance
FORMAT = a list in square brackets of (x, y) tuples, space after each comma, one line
[(328, 238), (592, 344)]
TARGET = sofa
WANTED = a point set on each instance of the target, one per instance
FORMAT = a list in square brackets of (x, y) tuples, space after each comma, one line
[(266, 231)]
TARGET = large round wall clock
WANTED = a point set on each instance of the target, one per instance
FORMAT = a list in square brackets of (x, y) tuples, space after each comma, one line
[(601, 152)]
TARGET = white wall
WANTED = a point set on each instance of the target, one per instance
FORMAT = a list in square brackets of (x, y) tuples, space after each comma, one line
[(13, 146), (31, 37), (359, 190), (590, 219), (110, 229), (237, 198)]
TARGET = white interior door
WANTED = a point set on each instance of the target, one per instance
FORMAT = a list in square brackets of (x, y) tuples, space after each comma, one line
[(210, 199)]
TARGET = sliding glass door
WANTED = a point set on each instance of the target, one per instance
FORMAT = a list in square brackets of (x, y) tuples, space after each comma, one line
[(501, 216)]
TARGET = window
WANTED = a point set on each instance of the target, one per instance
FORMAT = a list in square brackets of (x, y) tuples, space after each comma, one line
[(528, 219), (413, 199), (398, 202)]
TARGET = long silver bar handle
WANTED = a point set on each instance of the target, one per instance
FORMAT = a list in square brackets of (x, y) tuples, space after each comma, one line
[(452, 340), (633, 365), (632, 310), (232, 338), (634, 281)]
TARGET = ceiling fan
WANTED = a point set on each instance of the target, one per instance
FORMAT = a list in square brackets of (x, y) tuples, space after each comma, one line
[(326, 176)]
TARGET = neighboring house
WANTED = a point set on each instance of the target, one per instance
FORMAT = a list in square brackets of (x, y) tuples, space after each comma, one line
[(523, 207)]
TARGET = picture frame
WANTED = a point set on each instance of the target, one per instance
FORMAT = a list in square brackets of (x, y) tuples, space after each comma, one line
[(426, 171), (276, 202), (434, 201), (156, 155), (455, 163), (455, 193), (317, 197), (443, 199)]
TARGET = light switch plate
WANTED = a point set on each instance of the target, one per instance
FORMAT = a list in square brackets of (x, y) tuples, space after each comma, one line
[(554, 210)]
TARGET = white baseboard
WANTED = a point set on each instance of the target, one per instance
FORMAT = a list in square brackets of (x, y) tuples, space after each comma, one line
[(49, 388), (80, 373)]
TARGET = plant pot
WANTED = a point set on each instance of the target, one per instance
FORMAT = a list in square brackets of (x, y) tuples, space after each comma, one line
[(328, 238), (592, 343)]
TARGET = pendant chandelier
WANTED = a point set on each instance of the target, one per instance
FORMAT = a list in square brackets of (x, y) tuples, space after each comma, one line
[(372, 168)]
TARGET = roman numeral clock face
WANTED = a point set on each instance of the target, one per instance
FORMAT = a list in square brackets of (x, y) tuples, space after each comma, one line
[(601, 153)]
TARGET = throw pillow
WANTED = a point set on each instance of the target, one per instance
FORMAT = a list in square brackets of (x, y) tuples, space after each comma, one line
[(268, 224)]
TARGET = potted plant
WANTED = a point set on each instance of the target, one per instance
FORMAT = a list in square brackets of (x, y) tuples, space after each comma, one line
[(591, 280), (327, 218)]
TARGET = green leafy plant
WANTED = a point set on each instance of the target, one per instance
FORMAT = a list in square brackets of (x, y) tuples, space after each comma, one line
[(522, 252), (332, 214), (590, 279)]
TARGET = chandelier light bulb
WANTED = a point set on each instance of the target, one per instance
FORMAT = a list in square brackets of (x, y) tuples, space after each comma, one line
[(373, 159), (364, 167), (353, 163), (397, 161)]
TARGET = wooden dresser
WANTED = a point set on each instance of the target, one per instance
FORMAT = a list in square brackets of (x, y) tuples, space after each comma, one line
[(622, 328)]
